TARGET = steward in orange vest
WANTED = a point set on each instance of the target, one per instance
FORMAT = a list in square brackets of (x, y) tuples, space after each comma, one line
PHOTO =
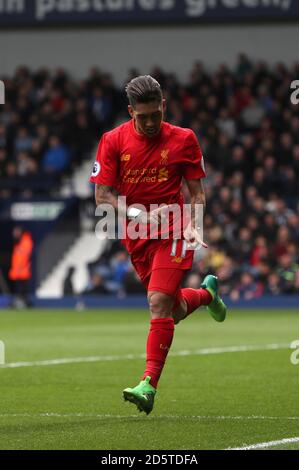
[(20, 269)]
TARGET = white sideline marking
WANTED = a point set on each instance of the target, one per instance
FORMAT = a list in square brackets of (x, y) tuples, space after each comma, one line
[(174, 417), (264, 445), (199, 352)]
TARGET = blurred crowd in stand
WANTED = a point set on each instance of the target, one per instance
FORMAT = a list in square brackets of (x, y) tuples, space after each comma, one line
[(49, 124)]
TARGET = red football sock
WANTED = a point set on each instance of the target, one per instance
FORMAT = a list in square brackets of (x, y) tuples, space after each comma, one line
[(158, 344), (195, 298)]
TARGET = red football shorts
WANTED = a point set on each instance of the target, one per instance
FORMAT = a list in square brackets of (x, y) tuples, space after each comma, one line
[(162, 265)]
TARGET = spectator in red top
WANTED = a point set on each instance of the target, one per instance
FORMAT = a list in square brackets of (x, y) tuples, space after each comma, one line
[(259, 251)]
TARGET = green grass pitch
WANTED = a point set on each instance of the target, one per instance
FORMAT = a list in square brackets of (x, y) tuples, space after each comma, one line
[(207, 398)]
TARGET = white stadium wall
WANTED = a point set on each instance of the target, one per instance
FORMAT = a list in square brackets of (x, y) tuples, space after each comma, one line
[(118, 49)]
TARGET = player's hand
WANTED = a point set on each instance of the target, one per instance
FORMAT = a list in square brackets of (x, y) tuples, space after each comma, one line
[(193, 238)]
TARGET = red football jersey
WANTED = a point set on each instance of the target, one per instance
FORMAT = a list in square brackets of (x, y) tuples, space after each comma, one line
[(148, 170)]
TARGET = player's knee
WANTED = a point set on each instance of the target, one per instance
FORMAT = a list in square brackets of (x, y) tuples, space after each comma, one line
[(179, 311), (160, 304)]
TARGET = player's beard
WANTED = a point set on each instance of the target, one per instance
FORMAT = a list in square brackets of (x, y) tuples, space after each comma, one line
[(152, 132), (148, 132)]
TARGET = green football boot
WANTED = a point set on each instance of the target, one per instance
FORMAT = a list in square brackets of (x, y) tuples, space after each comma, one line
[(143, 395), (217, 308)]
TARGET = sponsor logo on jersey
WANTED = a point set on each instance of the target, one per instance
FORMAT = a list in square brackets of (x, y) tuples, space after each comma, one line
[(163, 175), (96, 169)]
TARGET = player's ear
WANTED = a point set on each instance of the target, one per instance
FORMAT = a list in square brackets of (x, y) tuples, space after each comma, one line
[(164, 105), (131, 111)]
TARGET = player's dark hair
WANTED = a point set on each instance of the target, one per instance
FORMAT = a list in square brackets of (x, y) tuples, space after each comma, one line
[(143, 89)]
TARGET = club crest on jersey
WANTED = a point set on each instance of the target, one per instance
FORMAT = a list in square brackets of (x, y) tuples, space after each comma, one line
[(164, 157), (96, 169)]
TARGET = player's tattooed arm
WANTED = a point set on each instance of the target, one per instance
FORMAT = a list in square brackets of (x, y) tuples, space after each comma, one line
[(105, 195), (108, 195), (197, 194), (198, 206)]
